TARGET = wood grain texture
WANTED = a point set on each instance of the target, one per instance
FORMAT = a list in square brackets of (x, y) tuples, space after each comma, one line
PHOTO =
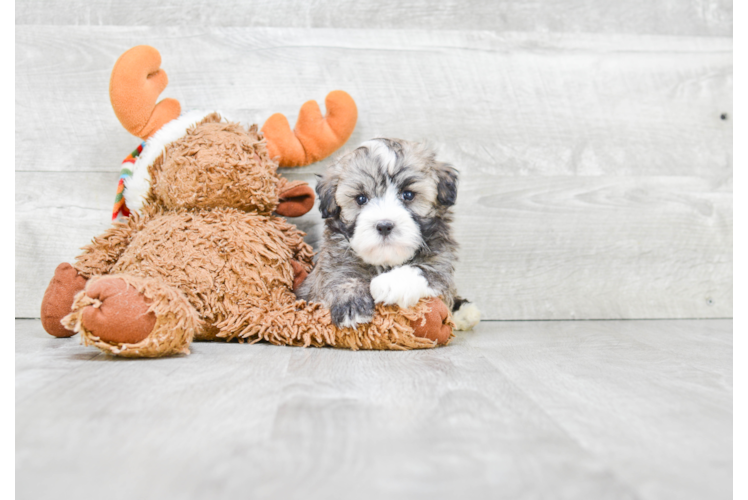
[(659, 17), (596, 172), (531, 247), (516, 104), (737, 133), (613, 410)]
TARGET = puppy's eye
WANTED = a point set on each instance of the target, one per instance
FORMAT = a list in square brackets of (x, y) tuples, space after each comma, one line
[(408, 195), (361, 199)]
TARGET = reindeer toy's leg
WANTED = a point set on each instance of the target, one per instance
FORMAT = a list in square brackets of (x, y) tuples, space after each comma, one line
[(97, 258), (119, 313), (132, 316), (286, 321)]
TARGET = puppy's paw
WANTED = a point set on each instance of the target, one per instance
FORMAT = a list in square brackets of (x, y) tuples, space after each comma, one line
[(465, 315), (353, 312), (404, 286)]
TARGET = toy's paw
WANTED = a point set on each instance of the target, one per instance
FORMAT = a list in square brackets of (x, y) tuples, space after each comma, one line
[(299, 274), (119, 313), (58, 299), (353, 312), (404, 286), (434, 324)]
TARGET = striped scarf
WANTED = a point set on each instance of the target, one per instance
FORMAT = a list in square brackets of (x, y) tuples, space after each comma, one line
[(120, 207)]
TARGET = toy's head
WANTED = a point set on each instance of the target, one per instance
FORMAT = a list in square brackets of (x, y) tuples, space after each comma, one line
[(201, 160), (216, 164), (212, 164)]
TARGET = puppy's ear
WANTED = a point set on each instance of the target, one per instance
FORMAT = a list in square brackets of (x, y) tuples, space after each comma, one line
[(326, 187), (446, 189)]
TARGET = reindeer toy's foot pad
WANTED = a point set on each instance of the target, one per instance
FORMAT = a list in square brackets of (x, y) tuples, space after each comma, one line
[(58, 299), (436, 323)]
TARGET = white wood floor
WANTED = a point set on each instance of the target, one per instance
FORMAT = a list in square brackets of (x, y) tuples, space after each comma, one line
[(571, 409)]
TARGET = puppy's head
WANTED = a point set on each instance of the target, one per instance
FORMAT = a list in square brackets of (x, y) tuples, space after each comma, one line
[(385, 197)]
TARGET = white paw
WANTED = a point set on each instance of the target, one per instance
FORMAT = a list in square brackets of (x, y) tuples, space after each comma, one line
[(404, 286)]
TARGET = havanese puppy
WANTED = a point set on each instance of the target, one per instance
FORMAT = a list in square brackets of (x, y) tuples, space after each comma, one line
[(387, 207)]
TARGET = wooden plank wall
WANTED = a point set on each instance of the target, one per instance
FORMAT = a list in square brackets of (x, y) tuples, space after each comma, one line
[(594, 139), (738, 191)]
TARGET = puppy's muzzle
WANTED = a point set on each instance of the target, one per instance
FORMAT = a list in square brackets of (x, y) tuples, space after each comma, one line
[(385, 227)]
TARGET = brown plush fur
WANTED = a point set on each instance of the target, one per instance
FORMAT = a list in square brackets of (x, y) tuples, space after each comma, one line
[(214, 263), (216, 165)]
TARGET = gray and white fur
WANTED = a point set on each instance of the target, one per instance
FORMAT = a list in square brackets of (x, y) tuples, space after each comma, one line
[(387, 207)]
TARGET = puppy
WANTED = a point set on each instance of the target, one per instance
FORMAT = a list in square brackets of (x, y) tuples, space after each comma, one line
[(387, 210)]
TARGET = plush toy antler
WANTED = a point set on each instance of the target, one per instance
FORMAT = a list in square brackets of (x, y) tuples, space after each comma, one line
[(315, 137), (136, 82)]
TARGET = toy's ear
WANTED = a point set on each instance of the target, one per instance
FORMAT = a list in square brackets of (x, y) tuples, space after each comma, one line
[(326, 187), (446, 189), (136, 82), (296, 199), (315, 136)]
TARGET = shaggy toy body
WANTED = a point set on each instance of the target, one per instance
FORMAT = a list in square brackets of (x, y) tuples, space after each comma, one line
[(223, 261)]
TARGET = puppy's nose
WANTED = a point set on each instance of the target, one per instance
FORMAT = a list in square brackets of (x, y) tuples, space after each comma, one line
[(385, 227)]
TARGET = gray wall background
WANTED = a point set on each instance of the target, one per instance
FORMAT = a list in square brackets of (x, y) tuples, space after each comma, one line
[(594, 138)]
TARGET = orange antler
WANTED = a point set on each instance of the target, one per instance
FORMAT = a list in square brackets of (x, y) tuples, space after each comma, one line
[(137, 81), (315, 137)]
